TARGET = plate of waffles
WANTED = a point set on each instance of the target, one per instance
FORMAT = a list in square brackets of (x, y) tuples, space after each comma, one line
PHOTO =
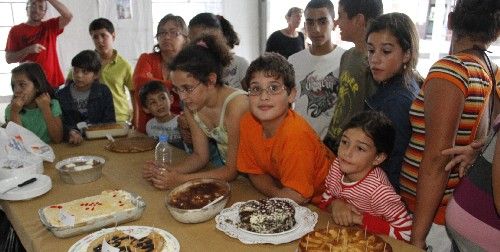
[(131, 144), (342, 239), (128, 238)]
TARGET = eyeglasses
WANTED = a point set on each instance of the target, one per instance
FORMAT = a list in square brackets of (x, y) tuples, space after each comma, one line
[(185, 90), (273, 89), (168, 34)]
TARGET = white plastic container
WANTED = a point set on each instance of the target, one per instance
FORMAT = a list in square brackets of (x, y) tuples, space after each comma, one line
[(10, 168)]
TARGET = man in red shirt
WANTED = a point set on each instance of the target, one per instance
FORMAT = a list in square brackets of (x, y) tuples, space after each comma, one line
[(36, 40)]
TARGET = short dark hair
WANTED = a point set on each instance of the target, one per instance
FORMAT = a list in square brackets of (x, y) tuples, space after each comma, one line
[(179, 22), (150, 87), (35, 74), (317, 4), (272, 65), (377, 126), (209, 20), (370, 9), (403, 29), (202, 56), (100, 23), (88, 60), (477, 19)]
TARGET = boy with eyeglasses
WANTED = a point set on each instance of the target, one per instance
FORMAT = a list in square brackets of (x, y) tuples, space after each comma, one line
[(317, 67), (36, 40), (279, 151)]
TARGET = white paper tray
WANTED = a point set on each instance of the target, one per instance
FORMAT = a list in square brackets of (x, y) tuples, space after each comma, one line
[(98, 223), (95, 134)]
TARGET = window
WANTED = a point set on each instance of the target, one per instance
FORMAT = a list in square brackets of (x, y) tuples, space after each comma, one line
[(430, 17), (12, 12)]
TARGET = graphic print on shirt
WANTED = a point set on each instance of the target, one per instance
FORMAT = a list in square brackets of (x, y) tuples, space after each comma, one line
[(321, 93), (347, 89), (81, 105)]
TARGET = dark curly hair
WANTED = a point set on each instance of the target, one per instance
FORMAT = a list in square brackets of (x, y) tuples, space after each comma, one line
[(202, 56), (209, 20), (151, 87), (403, 29), (272, 65), (477, 19), (368, 8), (179, 22), (377, 126)]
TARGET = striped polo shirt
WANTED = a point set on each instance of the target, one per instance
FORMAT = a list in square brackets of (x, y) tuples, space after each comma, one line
[(463, 71)]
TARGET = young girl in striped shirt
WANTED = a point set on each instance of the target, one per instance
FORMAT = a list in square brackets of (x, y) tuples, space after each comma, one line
[(357, 190)]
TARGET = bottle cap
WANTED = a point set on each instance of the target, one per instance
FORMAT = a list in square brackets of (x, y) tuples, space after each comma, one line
[(163, 138)]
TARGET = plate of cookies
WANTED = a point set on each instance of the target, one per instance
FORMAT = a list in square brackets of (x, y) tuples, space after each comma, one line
[(273, 221), (128, 238)]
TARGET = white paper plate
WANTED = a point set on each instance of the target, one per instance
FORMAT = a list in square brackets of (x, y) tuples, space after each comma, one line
[(270, 234), (42, 185), (171, 243), (228, 219)]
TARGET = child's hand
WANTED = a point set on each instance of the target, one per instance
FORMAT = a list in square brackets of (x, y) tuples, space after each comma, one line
[(75, 137), (148, 170), (164, 179), (43, 101), (344, 213), (17, 104)]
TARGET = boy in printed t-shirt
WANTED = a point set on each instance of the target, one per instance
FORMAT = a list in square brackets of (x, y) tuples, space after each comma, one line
[(317, 68), (279, 151), (155, 100)]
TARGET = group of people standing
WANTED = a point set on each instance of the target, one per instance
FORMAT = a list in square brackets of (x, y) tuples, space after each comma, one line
[(356, 132)]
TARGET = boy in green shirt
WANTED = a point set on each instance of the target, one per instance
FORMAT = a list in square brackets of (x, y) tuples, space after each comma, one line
[(116, 72)]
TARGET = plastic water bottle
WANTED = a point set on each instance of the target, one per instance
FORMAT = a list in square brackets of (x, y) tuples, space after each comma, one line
[(163, 152)]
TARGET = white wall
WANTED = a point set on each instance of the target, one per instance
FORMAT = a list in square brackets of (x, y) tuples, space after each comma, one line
[(244, 16), (133, 36)]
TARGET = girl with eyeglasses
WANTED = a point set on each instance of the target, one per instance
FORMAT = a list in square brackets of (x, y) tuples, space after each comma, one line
[(212, 111), (171, 35), (282, 155)]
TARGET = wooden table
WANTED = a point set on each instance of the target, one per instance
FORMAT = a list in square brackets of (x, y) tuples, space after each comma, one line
[(123, 171)]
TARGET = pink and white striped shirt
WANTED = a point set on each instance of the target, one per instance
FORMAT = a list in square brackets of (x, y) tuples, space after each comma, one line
[(382, 208)]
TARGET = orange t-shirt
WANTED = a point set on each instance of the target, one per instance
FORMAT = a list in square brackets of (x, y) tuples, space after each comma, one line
[(294, 155)]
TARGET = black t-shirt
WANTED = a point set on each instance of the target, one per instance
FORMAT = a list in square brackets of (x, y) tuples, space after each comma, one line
[(284, 45)]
